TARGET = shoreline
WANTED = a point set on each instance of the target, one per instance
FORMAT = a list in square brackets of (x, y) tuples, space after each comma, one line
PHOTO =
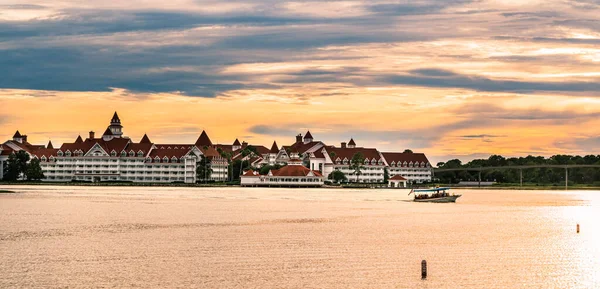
[(222, 185)]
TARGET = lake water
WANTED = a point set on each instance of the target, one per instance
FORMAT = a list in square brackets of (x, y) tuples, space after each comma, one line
[(296, 238)]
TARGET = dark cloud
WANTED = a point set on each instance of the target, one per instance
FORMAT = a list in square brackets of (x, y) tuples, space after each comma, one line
[(23, 7), (490, 112), (474, 136), (415, 7), (448, 79)]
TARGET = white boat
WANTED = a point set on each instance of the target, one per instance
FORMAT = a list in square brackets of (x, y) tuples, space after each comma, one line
[(435, 195)]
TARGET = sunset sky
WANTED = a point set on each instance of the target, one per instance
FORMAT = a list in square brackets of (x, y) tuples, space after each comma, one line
[(454, 79)]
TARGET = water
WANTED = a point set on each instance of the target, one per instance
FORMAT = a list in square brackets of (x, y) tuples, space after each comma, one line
[(296, 238)]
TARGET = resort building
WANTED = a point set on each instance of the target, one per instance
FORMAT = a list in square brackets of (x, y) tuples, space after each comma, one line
[(294, 174), (115, 157)]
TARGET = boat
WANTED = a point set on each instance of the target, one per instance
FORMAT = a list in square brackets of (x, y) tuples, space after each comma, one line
[(434, 195)]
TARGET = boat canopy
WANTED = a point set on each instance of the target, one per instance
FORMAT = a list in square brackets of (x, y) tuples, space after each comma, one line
[(430, 190)]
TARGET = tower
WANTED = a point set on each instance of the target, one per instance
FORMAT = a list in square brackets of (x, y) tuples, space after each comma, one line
[(115, 126)]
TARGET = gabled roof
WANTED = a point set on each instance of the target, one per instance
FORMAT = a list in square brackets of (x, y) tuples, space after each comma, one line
[(301, 147), (49, 146), (308, 135), (237, 142), (107, 132), (136, 147), (209, 152), (274, 149), (79, 139), (203, 140), (397, 178), (405, 157), (251, 173), (17, 134), (294, 171), (145, 139), (351, 142), (117, 144)]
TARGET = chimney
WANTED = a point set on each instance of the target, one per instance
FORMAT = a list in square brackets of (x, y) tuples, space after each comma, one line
[(299, 138), (244, 144), (24, 138), (343, 145), (92, 134)]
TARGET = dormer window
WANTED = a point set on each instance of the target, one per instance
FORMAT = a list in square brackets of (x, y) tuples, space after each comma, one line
[(165, 159), (60, 154), (157, 159), (44, 158), (405, 164), (52, 158), (68, 153), (123, 154), (113, 153), (140, 153), (173, 159), (148, 159)]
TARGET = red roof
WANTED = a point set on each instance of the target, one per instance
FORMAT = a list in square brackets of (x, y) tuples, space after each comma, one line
[(210, 152), (274, 148), (50, 146), (116, 144), (79, 139), (397, 178), (351, 142), (145, 139), (294, 171), (173, 146), (115, 118), (301, 147), (6, 150), (169, 153), (136, 147), (348, 153), (308, 135), (237, 142), (203, 140), (405, 157), (45, 152), (107, 132), (17, 134)]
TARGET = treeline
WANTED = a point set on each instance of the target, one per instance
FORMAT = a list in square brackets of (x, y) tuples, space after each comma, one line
[(545, 176)]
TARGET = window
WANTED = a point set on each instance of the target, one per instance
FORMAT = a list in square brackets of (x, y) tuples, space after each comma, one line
[(140, 153), (113, 153), (165, 159), (60, 154), (68, 153), (173, 159), (157, 159), (131, 153), (43, 158), (123, 154)]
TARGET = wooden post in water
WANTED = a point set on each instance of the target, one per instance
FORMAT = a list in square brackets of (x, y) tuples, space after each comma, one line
[(479, 185), (577, 228), (423, 269), (566, 179), (521, 176)]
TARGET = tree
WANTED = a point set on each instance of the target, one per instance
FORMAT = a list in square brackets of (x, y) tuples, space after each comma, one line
[(34, 171), (409, 151), (16, 165), (265, 169), (386, 175), (203, 170), (239, 166), (337, 176), (356, 164)]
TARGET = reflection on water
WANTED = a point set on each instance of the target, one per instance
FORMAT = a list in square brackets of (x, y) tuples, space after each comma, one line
[(296, 238)]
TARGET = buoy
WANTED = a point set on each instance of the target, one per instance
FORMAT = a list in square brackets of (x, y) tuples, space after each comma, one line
[(423, 269), (577, 228)]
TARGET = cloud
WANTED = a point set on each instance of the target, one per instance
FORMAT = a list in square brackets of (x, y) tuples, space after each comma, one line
[(440, 78), (474, 136)]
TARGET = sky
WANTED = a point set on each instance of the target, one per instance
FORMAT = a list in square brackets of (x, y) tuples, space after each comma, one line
[(453, 79)]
